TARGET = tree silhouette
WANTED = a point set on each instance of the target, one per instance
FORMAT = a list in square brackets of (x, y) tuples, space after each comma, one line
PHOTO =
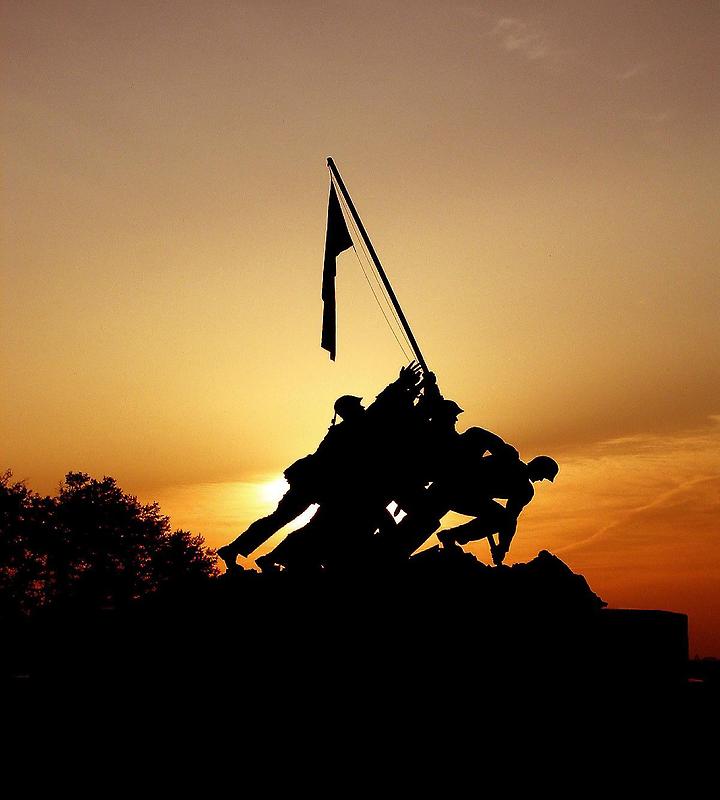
[(24, 518), (92, 545)]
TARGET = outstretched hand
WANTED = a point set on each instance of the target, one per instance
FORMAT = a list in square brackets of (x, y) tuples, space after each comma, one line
[(411, 375)]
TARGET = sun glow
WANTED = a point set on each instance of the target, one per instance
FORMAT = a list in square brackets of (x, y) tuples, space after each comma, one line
[(271, 491)]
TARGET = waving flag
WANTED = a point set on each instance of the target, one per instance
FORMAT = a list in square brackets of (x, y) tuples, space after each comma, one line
[(337, 239)]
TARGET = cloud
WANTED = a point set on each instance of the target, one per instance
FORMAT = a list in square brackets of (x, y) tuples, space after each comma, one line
[(632, 72), (517, 36), (646, 491), (681, 512)]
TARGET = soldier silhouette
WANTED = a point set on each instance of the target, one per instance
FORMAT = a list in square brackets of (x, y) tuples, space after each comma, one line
[(304, 477), (401, 445), (422, 440), (508, 479), (355, 493), (342, 459), (469, 483)]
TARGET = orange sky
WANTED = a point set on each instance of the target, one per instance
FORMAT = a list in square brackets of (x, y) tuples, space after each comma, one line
[(540, 180)]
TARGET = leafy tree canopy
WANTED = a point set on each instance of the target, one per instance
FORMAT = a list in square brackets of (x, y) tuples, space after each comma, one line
[(92, 545)]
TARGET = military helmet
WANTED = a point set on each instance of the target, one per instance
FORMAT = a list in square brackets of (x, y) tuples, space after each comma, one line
[(448, 408), (544, 467), (346, 404)]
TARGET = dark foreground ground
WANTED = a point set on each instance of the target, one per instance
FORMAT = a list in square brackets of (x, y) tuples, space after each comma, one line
[(445, 631), (446, 671)]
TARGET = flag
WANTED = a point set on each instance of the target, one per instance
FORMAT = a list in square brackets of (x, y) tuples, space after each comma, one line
[(337, 239)]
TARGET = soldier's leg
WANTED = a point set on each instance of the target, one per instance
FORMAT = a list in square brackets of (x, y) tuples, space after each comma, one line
[(506, 527), (493, 518), (352, 545), (422, 521), (302, 549), (471, 531), (425, 518), (293, 503)]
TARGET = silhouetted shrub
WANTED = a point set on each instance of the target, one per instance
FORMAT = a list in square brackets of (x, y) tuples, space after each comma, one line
[(91, 545)]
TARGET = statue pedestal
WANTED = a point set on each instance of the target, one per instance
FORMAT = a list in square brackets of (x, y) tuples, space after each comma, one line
[(641, 648)]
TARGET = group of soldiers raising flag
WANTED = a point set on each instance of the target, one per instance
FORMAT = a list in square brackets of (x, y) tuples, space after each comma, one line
[(403, 449)]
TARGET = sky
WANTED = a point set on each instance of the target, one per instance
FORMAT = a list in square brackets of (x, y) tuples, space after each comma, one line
[(540, 181)]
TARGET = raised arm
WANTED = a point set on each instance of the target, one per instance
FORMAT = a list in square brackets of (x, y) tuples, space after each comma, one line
[(401, 391)]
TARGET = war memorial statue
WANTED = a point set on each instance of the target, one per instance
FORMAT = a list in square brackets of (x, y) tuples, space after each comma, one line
[(402, 449)]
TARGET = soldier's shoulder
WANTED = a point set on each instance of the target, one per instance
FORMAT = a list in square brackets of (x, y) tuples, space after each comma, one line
[(335, 433)]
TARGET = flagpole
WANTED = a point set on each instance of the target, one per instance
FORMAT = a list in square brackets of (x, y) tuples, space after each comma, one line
[(378, 265)]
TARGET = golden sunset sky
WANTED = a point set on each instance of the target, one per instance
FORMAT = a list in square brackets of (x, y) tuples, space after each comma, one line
[(539, 179)]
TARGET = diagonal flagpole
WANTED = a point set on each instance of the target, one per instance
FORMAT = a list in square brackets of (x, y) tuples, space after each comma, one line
[(378, 265)]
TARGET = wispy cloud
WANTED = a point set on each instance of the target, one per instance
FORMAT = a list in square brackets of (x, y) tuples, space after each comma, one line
[(527, 39), (657, 118), (633, 491), (654, 127), (522, 38), (632, 72)]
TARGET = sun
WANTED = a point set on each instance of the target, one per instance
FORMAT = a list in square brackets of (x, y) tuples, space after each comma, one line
[(271, 491)]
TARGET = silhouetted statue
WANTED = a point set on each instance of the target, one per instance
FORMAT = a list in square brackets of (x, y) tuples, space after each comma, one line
[(343, 475), (402, 443), (469, 483), (511, 481), (403, 448), (429, 443), (305, 477), (355, 495)]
